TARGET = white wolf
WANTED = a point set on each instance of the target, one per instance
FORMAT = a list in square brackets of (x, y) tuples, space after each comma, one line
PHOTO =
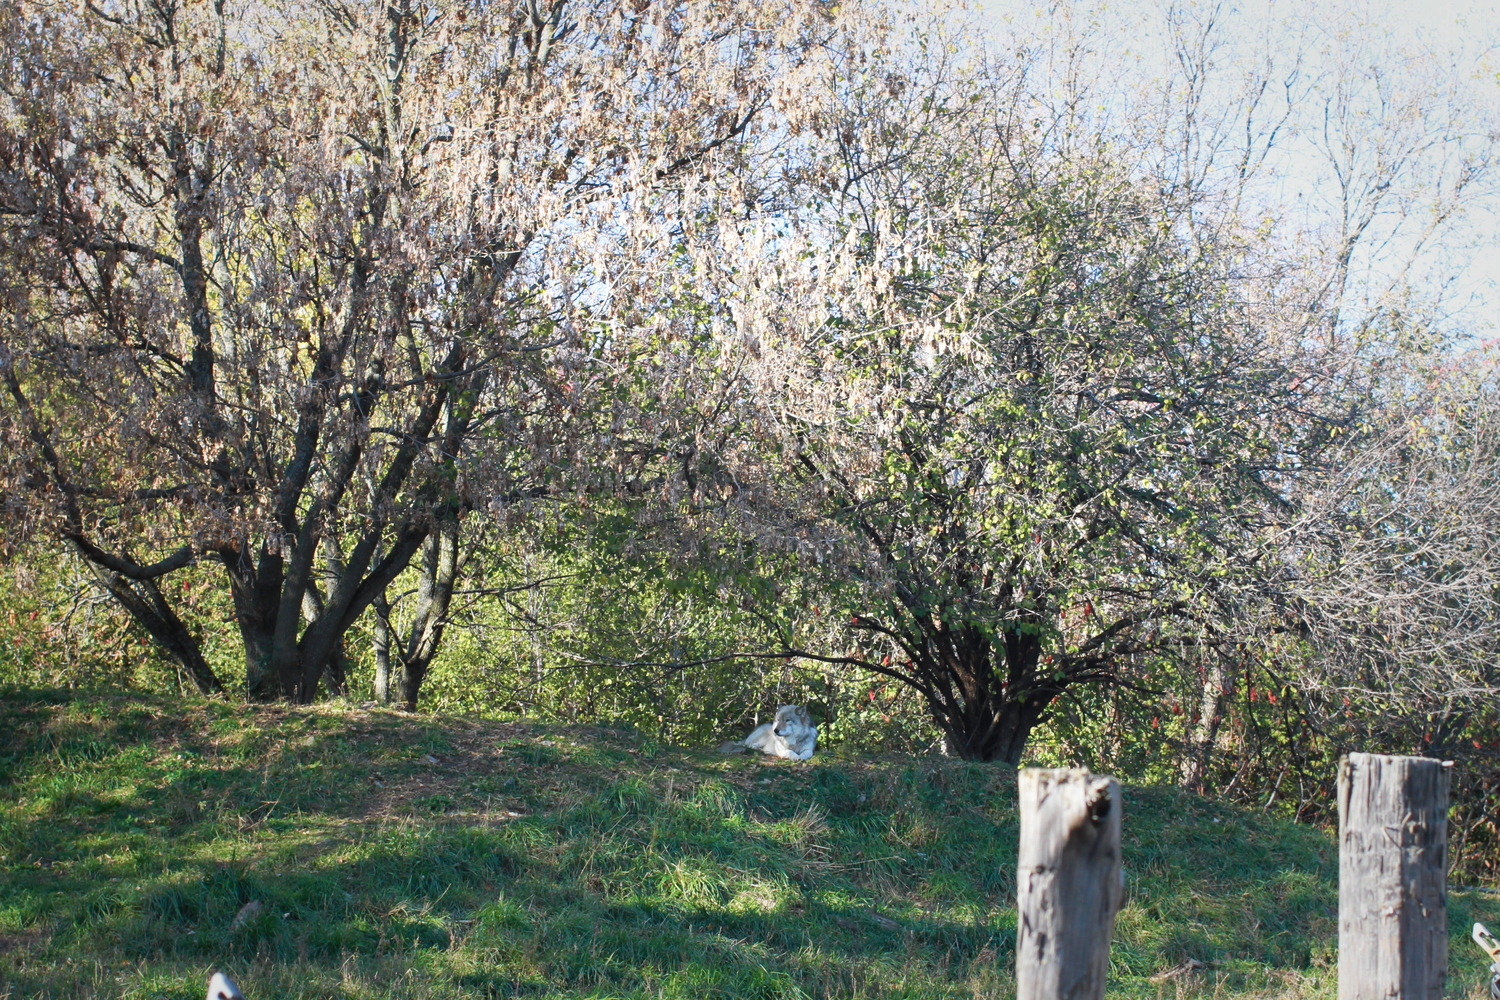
[(791, 734)]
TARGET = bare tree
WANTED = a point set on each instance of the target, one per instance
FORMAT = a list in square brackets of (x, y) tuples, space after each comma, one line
[(274, 273), (1392, 568)]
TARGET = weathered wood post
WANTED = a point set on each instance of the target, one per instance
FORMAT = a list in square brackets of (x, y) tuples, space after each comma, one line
[(1393, 872), (1069, 883)]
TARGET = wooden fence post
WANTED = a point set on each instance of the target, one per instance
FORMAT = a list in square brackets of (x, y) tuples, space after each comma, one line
[(1069, 883), (1393, 873)]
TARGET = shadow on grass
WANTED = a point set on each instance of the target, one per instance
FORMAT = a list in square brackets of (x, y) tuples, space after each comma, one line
[(466, 859)]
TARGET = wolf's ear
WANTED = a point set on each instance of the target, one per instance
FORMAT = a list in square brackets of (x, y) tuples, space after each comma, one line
[(804, 715)]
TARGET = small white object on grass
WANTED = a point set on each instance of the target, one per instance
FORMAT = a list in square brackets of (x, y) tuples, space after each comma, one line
[(221, 987)]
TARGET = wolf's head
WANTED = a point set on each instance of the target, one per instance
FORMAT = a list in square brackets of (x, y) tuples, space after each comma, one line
[(792, 722)]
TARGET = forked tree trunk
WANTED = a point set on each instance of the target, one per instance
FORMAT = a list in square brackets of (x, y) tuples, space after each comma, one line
[(401, 665), (986, 700), (993, 729)]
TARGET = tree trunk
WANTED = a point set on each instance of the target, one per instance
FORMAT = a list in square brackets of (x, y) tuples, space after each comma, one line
[(144, 602), (995, 729), (382, 643), (412, 675), (337, 678), (1218, 685), (313, 607), (986, 715), (442, 563), (251, 587)]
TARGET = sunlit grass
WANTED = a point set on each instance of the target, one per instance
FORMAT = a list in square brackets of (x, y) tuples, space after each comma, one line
[(395, 856)]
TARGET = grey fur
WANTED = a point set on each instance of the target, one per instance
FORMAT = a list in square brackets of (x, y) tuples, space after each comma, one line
[(790, 734)]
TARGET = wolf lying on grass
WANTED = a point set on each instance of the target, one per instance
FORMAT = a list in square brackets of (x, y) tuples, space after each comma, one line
[(791, 734)]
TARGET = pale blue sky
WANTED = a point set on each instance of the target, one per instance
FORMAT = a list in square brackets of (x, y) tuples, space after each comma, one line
[(1458, 37)]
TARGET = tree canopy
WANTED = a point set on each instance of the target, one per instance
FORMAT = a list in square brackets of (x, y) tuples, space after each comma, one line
[(661, 361), (270, 271)]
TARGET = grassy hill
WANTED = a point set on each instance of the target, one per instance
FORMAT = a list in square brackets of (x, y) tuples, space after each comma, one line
[(334, 852)]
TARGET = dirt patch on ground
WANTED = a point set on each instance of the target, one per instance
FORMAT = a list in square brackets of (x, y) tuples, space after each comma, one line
[(20, 941), (472, 770)]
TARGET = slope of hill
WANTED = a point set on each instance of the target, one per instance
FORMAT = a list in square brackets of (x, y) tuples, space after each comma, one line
[(336, 852)]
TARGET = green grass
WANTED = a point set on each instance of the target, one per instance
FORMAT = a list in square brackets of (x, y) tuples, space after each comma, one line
[(413, 857)]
